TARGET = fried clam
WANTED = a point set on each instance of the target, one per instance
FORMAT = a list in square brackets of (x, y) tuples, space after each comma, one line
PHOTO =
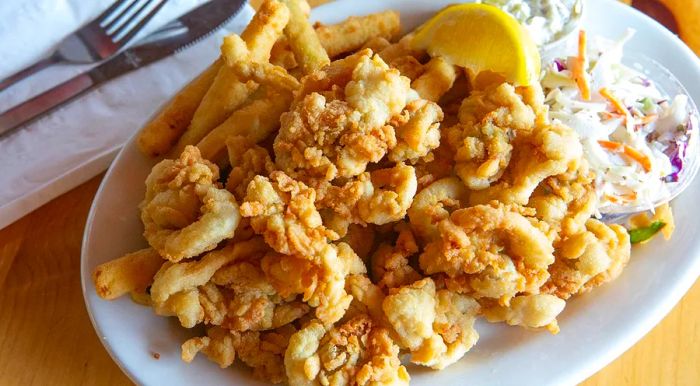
[(283, 211), (437, 327), (489, 120), (390, 266), (321, 283), (566, 201), (339, 122), (250, 300), (432, 203), (387, 194), (357, 352), (491, 251), (262, 351), (417, 131), (247, 161), (529, 311), (185, 212), (549, 150), (184, 289), (505, 146), (588, 259)]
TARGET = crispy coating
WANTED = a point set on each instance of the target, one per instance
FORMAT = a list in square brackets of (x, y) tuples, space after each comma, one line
[(159, 135), (489, 121), (360, 239), (321, 284), (132, 272), (550, 150), (431, 205), (501, 251), (185, 213), (436, 80), (566, 201), (355, 31), (387, 194), (417, 131), (217, 346), (175, 277), (588, 259), (247, 161), (390, 265), (529, 311), (358, 352), (252, 302), (336, 134), (436, 326), (283, 211), (264, 352)]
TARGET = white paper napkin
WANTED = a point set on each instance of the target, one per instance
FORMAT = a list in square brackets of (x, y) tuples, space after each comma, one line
[(76, 142)]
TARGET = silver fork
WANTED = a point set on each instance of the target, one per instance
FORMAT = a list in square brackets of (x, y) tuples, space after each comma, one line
[(99, 39)]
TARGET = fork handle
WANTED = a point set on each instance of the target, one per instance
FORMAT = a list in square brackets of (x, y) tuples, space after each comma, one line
[(36, 67), (45, 102)]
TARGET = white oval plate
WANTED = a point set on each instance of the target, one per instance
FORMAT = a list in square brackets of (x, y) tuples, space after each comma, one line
[(595, 328)]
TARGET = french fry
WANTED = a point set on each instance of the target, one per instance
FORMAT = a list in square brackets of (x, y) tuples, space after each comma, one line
[(162, 133), (303, 40), (354, 32), (255, 121), (400, 49), (131, 272), (377, 44), (282, 55), (227, 92), (266, 73), (436, 80), (225, 95), (265, 28)]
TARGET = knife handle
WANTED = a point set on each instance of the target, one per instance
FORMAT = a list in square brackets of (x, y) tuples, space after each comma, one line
[(44, 102)]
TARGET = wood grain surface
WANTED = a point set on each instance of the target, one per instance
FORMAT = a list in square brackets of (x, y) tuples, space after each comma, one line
[(46, 337)]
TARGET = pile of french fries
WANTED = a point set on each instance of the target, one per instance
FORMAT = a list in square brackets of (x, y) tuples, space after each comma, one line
[(246, 90)]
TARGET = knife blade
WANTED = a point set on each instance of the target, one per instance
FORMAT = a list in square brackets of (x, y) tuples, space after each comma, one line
[(174, 37)]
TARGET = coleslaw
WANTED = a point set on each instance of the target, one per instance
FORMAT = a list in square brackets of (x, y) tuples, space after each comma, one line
[(634, 136)]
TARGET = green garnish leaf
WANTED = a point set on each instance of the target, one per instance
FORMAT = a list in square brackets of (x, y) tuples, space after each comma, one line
[(647, 105), (645, 233)]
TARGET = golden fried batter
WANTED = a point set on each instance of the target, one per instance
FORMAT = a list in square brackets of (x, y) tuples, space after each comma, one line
[(283, 211), (336, 134), (588, 259), (437, 327), (358, 352), (497, 246), (185, 213)]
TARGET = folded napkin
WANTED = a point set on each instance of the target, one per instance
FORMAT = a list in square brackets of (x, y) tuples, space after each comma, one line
[(78, 141)]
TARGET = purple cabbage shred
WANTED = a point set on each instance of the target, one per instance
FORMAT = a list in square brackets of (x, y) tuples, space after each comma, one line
[(676, 153), (560, 65)]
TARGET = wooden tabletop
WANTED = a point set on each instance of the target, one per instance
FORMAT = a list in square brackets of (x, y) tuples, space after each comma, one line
[(46, 337)]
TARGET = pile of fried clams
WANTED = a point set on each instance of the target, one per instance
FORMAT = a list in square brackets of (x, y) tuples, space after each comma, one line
[(397, 201)]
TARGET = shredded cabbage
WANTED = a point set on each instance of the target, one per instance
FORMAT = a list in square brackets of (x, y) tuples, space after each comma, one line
[(613, 140)]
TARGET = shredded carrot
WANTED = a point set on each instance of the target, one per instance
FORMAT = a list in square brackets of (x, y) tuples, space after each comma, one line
[(579, 68), (616, 103), (648, 119), (612, 198), (629, 151), (630, 196), (609, 115)]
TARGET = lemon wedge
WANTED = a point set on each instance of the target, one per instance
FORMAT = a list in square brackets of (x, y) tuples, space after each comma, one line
[(480, 38)]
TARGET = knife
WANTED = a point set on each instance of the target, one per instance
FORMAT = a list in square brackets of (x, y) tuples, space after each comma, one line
[(174, 37)]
